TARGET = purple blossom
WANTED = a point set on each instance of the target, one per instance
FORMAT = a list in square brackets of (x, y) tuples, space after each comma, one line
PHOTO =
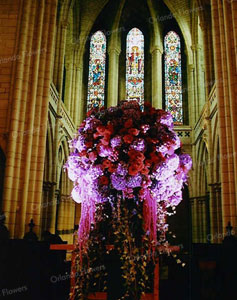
[(185, 160), (134, 181), (138, 144), (118, 182), (79, 143), (166, 119), (115, 141), (104, 151), (122, 169)]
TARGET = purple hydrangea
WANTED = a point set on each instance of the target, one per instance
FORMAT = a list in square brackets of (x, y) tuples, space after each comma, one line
[(115, 141), (118, 182), (138, 144), (122, 169), (134, 181)]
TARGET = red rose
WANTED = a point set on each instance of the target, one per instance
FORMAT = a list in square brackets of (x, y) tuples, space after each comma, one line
[(137, 164), (112, 168), (133, 131), (101, 129), (104, 180), (109, 129), (148, 163), (136, 155), (145, 171), (83, 153), (132, 170), (128, 123), (106, 163), (89, 144), (96, 135), (156, 157), (105, 140), (128, 138)]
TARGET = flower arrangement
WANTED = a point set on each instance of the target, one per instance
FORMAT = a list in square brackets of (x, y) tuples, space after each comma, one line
[(129, 160)]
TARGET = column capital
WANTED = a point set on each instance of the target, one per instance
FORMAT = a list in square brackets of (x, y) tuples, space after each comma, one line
[(155, 49), (68, 65), (77, 67), (196, 47), (191, 67), (116, 50)]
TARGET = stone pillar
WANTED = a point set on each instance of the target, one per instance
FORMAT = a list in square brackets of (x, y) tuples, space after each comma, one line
[(222, 28), (46, 205), (78, 108), (200, 80), (112, 95), (156, 54), (191, 95), (28, 115), (68, 85)]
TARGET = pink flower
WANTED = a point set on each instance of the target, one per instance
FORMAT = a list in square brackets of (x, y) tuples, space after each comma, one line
[(92, 156)]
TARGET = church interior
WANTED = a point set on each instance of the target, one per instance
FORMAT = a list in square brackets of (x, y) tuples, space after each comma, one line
[(58, 59)]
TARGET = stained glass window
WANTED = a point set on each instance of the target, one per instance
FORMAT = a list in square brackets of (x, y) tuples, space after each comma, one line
[(96, 79), (173, 77), (135, 66)]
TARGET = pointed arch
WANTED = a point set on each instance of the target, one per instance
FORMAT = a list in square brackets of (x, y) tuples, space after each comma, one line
[(173, 76), (96, 77), (135, 66)]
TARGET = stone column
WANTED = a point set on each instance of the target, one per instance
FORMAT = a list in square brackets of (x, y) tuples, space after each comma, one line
[(78, 108), (156, 54), (28, 116), (191, 95), (68, 85), (226, 105), (200, 80), (112, 95)]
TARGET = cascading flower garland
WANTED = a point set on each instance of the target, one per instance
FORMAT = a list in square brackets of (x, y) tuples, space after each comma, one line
[(125, 155)]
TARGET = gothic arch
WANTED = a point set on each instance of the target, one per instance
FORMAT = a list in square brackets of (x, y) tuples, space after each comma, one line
[(184, 25), (202, 168)]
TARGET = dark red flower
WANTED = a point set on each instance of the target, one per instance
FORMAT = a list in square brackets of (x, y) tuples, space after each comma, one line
[(109, 129), (89, 144), (101, 129), (137, 164), (106, 163), (105, 140), (156, 157), (112, 168), (128, 138), (145, 171), (132, 170), (136, 155), (128, 123), (104, 180), (83, 153), (133, 131)]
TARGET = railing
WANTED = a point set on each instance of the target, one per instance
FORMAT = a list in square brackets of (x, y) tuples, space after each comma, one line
[(67, 122), (54, 95), (212, 95), (184, 133), (66, 119)]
